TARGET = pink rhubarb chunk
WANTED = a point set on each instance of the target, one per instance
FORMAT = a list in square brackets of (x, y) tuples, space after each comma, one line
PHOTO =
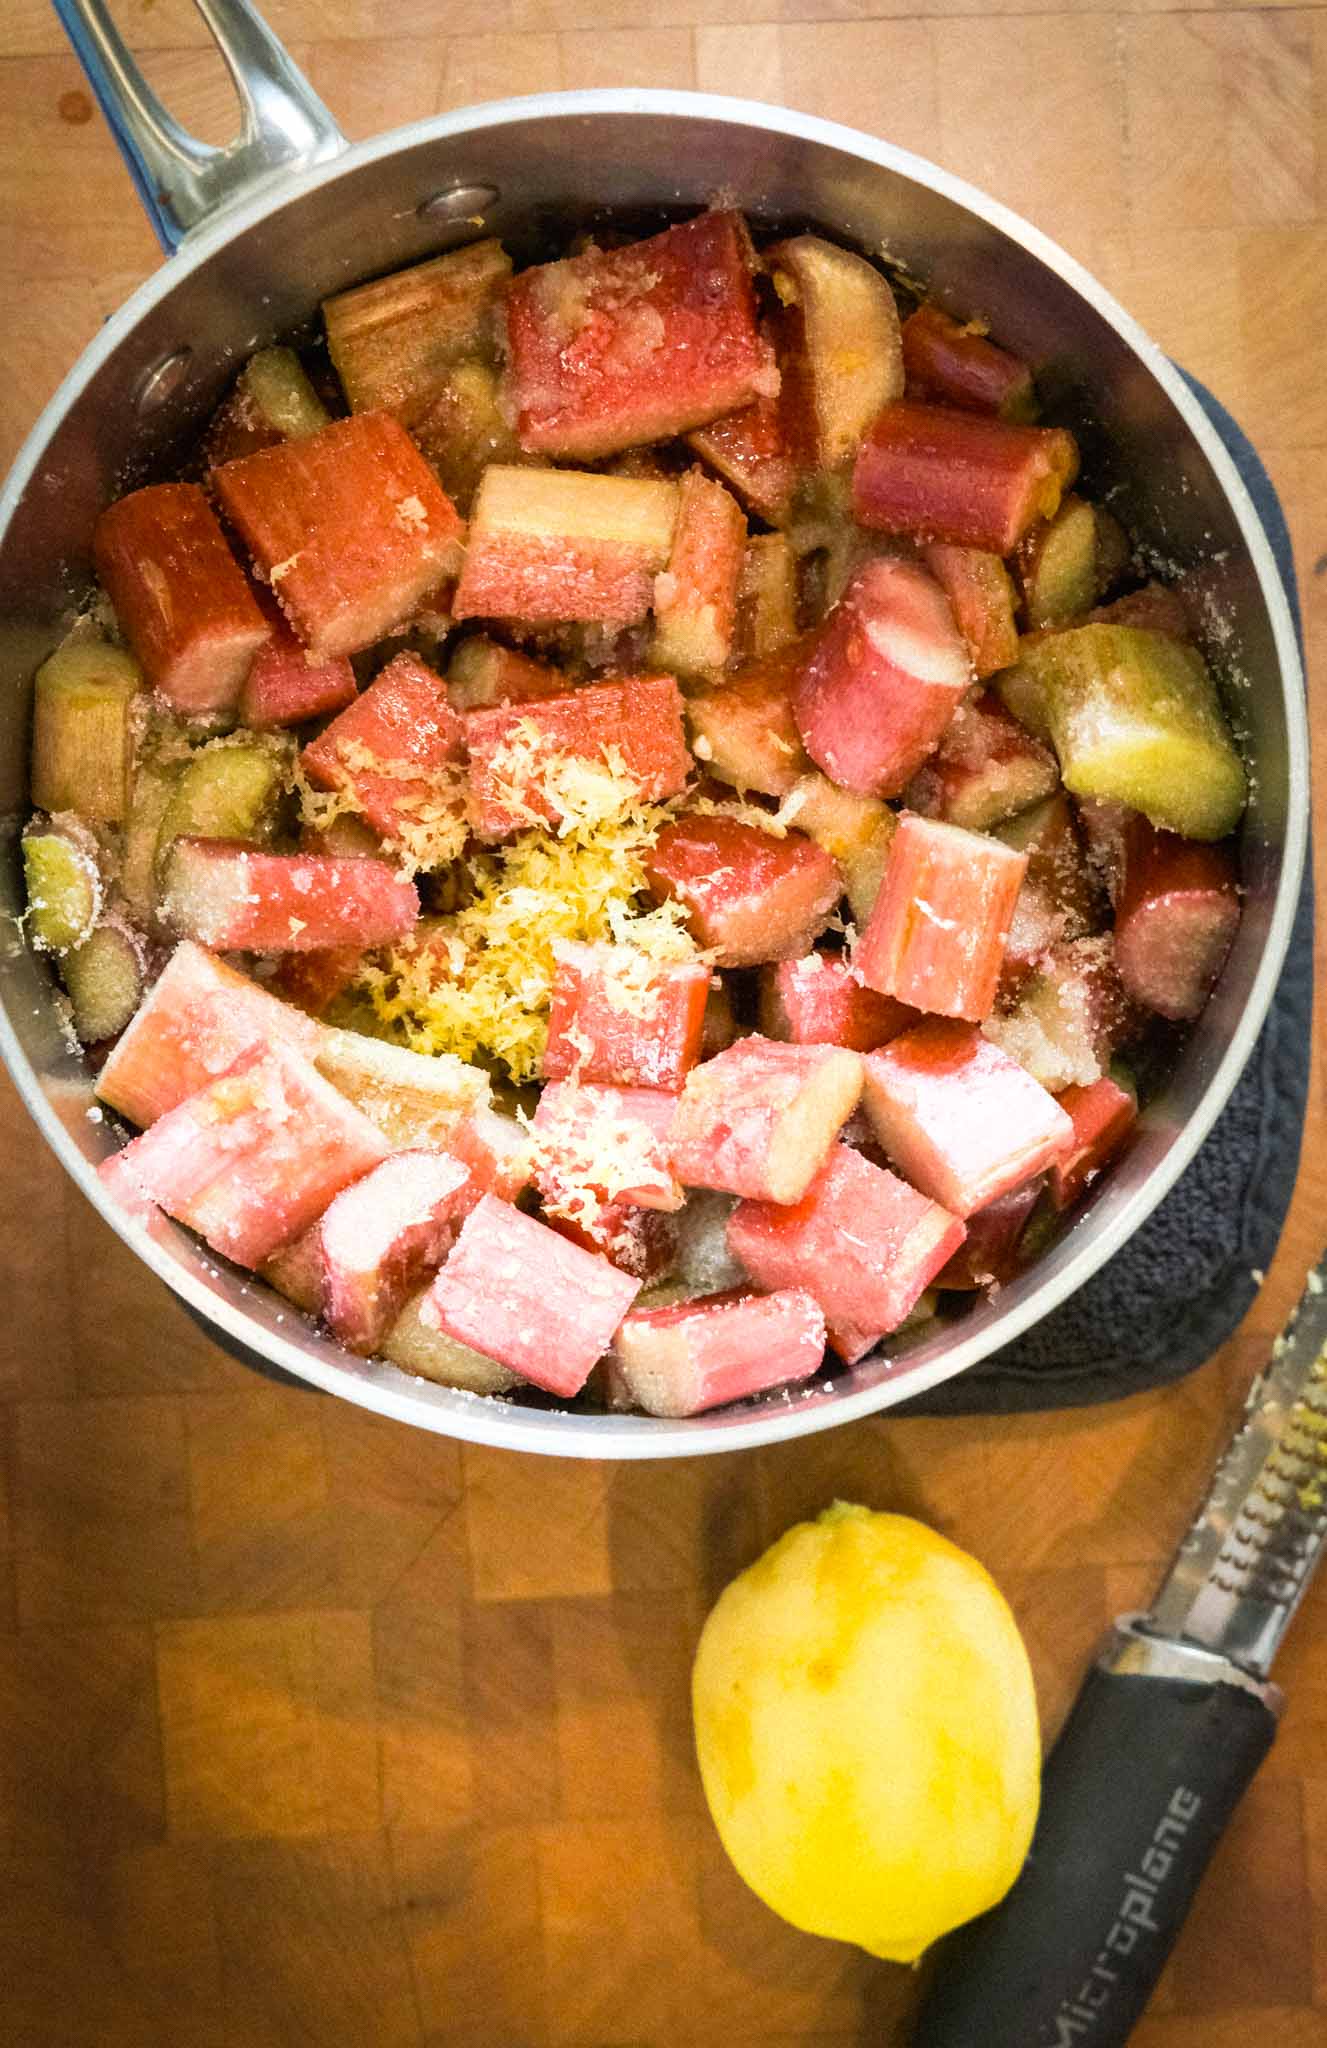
[(749, 896), (989, 1255), (1175, 920), (936, 935), (696, 1355), (1102, 1115), (882, 678), (632, 722), (958, 1117), (521, 1293), (381, 1237), (603, 1171), (617, 347), (223, 894), (818, 1000), (192, 1025), (396, 749), (255, 1157), (938, 474), (759, 1119), (618, 1016), (285, 688), (861, 1241), (987, 768)]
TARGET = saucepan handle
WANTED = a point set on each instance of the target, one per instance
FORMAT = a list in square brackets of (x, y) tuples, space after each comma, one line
[(184, 182)]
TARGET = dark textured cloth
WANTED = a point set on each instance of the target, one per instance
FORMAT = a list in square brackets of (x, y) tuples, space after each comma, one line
[(1218, 1227)]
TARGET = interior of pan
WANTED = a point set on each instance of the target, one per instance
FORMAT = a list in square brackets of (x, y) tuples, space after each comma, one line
[(530, 171)]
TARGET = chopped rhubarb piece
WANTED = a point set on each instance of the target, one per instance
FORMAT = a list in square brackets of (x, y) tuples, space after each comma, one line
[(695, 1355), (958, 1117), (255, 1157), (1071, 1014), (1175, 921), (742, 725), (462, 429), (1156, 608), (379, 1239), (497, 1150), (750, 451), (296, 1271), (349, 526), (1056, 863), (62, 877), (414, 1098), (528, 1297), (942, 475), (1023, 693), (82, 731), (518, 752), (228, 789), (759, 1119), (284, 687), (748, 895), (227, 896), (855, 831), (839, 349), (608, 1144), (345, 835), (431, 1354), (695, 595), (860, 1240), (617, 347), (1102, 1114), (981, 597), (393, 340), (937, 933), (313, 981), (122, 1184), (720, 1027), (1066, 563), (641, 1242), (819, 1001), (766, 596), (881, 678), (558, 544), (182, 599), (989, 1255), (618, 1016), (482, 673), (272, 401), (959, 365), (396, 750), (104, 978), (1104, 825), (196, 1020), (987, 768), (1135, 717)]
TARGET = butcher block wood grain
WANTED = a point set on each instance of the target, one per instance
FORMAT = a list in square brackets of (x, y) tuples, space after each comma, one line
[(317, 1730)]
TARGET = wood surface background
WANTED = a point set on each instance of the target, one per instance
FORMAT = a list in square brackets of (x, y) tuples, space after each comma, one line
[(314, 1730)]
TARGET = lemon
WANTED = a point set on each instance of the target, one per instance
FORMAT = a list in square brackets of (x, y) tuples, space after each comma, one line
[(867, 1731)]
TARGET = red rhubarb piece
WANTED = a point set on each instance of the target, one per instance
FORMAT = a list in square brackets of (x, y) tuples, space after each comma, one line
[(602, 1168), (881, 678), (396, 750), (989, 1254), (1175, 920), (749, 896), (192, 1025), (695, 1355), (632, 725), (616, 1015), (349, 526), (616, 347), (863, 1242), (960, 365), (255, 1157), (818, 1000), (987, 768), (284, 688), (742, 726), (952, 476), (381, 1237), (695, 595), (482, 673), (1102, 1114), (958, 1117), (496, 1148), (549, 545), (224, 894), (183, 602), (750, 451), (937, 933), (313, 981), (525, 1295), (759, 1119), (981, 597)]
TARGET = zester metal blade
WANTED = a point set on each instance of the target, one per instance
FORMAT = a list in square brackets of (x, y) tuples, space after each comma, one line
[(1242, 1570)]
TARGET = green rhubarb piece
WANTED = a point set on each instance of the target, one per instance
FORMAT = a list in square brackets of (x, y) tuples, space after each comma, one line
[(1135, 718), (63, 877), (155, 779), (82, 735), (275, 381), (1060, 566), (228, 789), (1023, 694), (104, 977)]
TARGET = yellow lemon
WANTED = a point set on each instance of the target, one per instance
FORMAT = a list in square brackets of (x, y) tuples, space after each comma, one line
[(867, 1731)]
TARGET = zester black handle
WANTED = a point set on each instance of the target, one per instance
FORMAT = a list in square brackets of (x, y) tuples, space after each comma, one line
[(1135, 1795)]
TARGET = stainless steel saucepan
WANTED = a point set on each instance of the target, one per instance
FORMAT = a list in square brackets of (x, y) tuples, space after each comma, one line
[(259, 232)]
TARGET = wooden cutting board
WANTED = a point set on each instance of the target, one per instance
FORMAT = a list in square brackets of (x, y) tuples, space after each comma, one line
[(313, 1729)]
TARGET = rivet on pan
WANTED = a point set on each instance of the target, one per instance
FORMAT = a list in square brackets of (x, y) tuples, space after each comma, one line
[(161, 383), (458, 202)]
